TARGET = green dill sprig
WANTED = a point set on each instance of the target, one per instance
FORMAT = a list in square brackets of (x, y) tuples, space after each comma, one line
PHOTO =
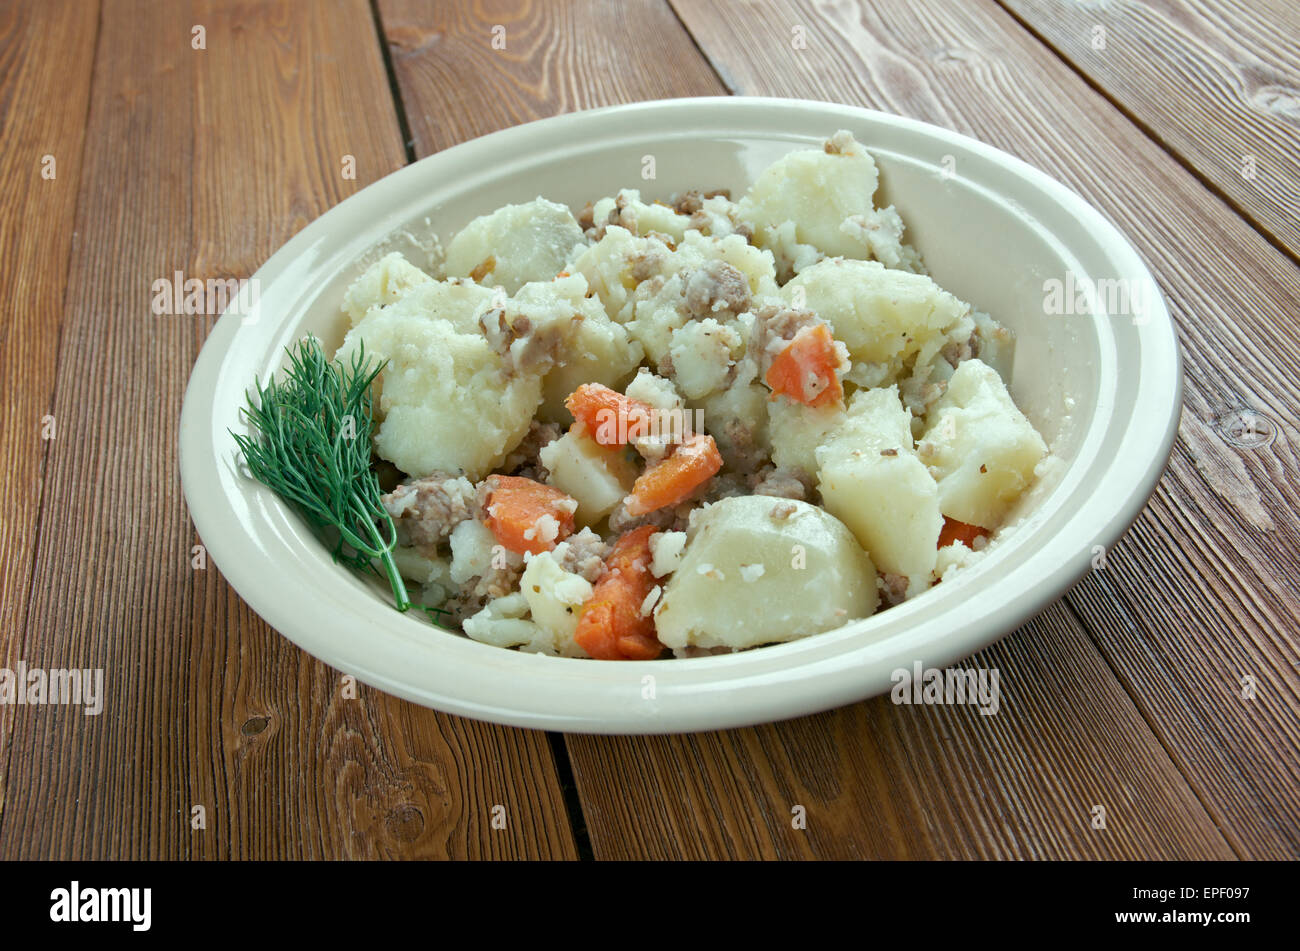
[(313, 450)]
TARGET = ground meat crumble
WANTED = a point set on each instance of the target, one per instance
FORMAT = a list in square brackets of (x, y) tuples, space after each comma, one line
[(716, 288), (584, 554), (427, 509), (893, 588), (526, 459)]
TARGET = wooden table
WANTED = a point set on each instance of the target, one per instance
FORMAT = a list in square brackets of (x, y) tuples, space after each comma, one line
[(1163, 688)]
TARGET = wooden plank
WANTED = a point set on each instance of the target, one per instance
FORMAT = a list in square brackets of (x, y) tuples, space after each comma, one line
[(467, 69), (46, 51), (1215, 81), (730, 795), (877, 780), (206, 160), (1204, 583)]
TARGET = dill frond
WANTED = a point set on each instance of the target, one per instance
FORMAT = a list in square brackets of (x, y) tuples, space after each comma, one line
[(311, 446)]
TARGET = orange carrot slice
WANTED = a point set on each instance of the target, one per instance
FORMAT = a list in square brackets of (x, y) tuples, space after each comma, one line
[(609, 416), (518, 510), (611, 625), (672, 480), (805, 369), (955, 531)]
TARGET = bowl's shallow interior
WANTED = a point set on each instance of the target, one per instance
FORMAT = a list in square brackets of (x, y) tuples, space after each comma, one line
[(991, 231)]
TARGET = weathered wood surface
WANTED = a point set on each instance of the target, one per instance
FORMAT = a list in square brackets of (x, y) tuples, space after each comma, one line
[(1202, 591), (206, 161), (46, 51), (1126, 695)]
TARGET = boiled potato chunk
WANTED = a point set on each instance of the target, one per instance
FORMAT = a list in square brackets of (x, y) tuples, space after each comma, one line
[(504, 622), (703, 352), (883, 316), (980, 447), (418, 566), (737, 420), (616, 264), (381, 284), (475, 550), (997, 345), (598, 477), (646, 217), (816, 189), (796, 430), (446, 403), (514, 245), (758, 570), (593, 349), (555, 598), (871, 479)]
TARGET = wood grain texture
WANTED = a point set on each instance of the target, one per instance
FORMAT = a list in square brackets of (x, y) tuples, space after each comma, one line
[(556, 58), (1202, 591), (46, 52), (207, 160), (877, 780), (1215, 81), (895, 790)]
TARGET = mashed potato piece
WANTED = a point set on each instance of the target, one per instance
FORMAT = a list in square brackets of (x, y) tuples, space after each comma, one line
[(504, 622), (703, 353), (880, 233), (756, 264), (555, 598), (514, 245), (655, 390), (654, 318), (790, 256), (719, 216), (703, 279)]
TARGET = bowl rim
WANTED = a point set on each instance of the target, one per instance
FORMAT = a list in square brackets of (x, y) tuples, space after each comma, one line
[(457, 675)]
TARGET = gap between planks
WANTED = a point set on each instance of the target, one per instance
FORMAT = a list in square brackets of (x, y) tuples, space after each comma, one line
[(571, 798), (394, 88)]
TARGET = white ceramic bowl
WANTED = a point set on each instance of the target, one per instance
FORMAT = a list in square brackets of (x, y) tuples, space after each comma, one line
[(1104, 391)]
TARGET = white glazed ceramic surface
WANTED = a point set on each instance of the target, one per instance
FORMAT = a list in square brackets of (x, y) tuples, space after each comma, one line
[(1104, 391)]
